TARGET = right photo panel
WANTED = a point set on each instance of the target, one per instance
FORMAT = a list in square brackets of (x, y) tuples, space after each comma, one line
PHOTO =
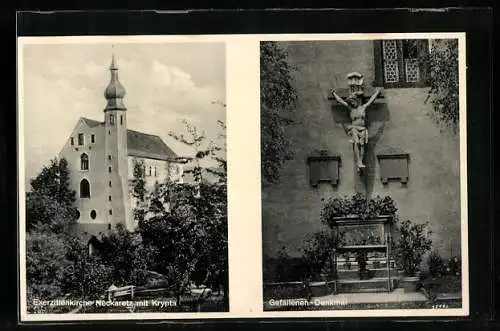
[(362, 196)]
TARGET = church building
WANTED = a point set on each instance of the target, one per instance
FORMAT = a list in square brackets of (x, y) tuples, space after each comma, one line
[(101, 156)]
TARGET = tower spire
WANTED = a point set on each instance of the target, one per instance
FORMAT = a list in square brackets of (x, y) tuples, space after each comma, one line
[(115, 92)]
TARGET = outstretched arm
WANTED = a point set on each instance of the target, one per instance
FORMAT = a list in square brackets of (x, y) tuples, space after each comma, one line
[(372, 98), (339, 99)]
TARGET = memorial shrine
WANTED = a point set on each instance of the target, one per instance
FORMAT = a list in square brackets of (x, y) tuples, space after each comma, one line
[(365, 130)]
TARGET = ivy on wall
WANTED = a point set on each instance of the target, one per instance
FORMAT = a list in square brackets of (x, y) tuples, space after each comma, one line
[(442, 78)]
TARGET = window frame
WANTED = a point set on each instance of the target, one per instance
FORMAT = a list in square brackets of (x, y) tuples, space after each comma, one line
[(402, 83), (86, 160), (86, 196), (81, 142)]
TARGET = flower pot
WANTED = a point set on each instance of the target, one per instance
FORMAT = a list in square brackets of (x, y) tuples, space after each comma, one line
[(409, 284)]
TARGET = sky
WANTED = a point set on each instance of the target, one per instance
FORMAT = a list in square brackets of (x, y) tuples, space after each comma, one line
[(165, 84)]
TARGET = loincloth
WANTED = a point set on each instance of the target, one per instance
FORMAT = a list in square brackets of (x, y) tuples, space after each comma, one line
[(358, 134)]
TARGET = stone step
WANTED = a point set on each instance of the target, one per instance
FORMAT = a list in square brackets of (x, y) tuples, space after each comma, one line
[(378, 284), (375, 272)]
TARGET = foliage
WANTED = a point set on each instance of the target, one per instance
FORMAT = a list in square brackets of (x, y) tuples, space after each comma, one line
[(411, 246), (318, 253), (442, 77), (53, 181), (358, 206), (138, 181), (436, 264), (49, 205), (117, 250), (45, 261), (186, 230), (87, 276), (278, 96), (454, 266), (44, 213)]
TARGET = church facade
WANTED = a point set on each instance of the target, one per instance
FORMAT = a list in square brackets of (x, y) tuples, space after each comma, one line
[(101, 157), (409, 157)]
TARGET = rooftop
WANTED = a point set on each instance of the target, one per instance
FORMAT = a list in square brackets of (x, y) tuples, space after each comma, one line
[(141, 144)]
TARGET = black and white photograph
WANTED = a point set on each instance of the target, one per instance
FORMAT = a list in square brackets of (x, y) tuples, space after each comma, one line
[(122, 168), (363, 170)]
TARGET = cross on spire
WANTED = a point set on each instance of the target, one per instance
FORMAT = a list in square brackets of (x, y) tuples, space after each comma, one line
[(113, 64)]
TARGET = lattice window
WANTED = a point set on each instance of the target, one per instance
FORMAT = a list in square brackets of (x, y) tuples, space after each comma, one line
[(391, 66), (398, 62), (412, 70)]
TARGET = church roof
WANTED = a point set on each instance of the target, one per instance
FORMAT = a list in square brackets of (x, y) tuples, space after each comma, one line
[(142, 144), (91, 123), (148, 146)]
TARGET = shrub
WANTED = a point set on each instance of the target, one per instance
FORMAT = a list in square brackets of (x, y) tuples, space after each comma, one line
[(454, 266), (412, 245), (436, 264), (318, 254)]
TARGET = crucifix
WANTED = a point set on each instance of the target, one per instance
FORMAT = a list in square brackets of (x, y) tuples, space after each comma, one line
[(355, 103)]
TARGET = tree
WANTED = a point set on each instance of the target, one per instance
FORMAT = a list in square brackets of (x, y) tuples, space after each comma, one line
[(45, 262), (86, 276), (190, 236), (53, 181), (442, 77), (117, 250), (138, 182), (44, 213), (278, 97), (50, 204)]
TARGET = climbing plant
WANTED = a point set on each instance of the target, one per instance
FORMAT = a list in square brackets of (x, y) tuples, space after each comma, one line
[(442, 78)]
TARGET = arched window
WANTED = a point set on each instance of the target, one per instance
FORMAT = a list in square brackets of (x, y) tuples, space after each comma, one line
[(84, 162), (111, 119), (84, 189)]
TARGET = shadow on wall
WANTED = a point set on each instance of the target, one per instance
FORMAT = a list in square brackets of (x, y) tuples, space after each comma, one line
[(370, 174), (376, 118)]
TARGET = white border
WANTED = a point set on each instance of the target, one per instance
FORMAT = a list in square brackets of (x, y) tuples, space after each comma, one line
[(244, 204)]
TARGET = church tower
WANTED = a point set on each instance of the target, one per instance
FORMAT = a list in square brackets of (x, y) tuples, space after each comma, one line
[(116, 165)]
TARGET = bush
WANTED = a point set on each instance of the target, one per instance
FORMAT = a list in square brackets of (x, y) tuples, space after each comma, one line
[(412, 245), (454, 266), (45, 263), (436, 264), (318, 254)]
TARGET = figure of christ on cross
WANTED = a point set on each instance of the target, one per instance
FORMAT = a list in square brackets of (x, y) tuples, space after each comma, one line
[(357, 130)]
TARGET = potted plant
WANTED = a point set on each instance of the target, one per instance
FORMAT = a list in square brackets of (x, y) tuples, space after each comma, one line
[(412, 245), (362, 259)]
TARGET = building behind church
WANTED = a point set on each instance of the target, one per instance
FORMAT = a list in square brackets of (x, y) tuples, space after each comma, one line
[(101, 156), (409, 157)]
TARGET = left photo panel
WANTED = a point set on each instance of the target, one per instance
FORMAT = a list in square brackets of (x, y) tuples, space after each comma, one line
[(122, 177)]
